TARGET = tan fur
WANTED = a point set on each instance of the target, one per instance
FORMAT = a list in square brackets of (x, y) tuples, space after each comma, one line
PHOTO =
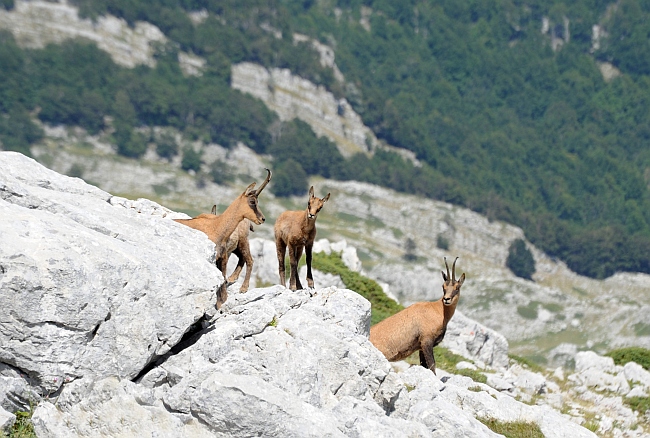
[(238, 244), (420, 326), (297, 231), (220, 228)]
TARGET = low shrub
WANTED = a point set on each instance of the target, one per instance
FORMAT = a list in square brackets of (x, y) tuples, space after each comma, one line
[(639, 355)]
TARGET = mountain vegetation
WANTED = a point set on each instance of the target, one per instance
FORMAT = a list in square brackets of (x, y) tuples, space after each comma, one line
[(511, 122)]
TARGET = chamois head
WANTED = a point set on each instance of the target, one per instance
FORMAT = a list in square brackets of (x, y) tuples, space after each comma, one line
[(253, 213), (315, 204), (451, 286)]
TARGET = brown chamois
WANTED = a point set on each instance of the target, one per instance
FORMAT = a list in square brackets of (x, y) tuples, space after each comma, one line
[(297, 230), (238, 244), (420, 326), (219, 228)]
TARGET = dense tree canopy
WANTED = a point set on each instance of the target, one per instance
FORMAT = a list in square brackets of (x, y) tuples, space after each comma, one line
[(504, 124)]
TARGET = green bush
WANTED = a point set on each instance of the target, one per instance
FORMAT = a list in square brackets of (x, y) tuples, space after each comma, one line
[(289, 179), (166, 146), (520, 260), (639, 355), (191, 160), (129, 143), (220, 172)]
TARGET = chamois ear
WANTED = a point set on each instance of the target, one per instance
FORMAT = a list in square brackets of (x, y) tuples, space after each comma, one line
[(249, 190), (311, 192), (214, 209), (326, 198), (461, 280), (444, 277)]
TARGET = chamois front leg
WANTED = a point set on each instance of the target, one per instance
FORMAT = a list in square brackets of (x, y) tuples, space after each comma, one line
[(222, 292), (281, 248), (426, 356), (298, 255), (310, 278), (294, 257)]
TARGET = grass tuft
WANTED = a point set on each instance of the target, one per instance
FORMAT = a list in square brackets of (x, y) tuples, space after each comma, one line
[(514, 429), (23, 427)]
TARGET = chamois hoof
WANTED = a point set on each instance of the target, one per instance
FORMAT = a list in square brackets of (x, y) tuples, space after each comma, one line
[(222, 295)]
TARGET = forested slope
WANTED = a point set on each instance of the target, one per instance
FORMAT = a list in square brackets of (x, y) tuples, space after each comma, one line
[(513, 122)]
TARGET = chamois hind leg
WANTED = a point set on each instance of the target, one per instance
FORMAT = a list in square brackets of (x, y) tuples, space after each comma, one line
[(281, 248), (426, 357), (245, 254), (310, 278), (294, 267), (240, 264)]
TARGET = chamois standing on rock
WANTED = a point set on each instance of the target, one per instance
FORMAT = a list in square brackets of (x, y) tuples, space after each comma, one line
[(220, 228), (238, 244), (297, 230), (420, 326)]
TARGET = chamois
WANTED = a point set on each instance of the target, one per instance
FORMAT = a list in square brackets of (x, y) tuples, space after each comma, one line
[(420, 326), (219, 228), (297, 230), (238, 244)]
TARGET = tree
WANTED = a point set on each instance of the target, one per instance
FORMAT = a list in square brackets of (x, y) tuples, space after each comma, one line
[(520, 260), (166, 146), (409, 250), (290, 179), (191, 160)]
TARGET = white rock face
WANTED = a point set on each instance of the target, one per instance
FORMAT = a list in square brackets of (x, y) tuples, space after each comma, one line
[(34, 24), (98, 292), (470, 339), (84, 281), (7, 419), (293, 97)]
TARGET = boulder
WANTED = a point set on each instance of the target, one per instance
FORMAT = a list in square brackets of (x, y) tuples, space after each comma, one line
[(88, 287)]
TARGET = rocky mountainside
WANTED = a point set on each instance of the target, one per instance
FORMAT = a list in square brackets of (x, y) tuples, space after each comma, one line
[(559, 312), (108, 324)]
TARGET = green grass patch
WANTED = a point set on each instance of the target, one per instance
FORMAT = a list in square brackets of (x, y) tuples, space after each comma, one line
[(514, 429), (529, 311), (23, 427), (641, 329), (382, 306), (639, 355), (527, 363), (553, 307), (639, 404)]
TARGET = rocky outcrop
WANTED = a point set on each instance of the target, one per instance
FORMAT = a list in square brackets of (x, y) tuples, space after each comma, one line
[(86, 281), (35, 24), (108, 308)]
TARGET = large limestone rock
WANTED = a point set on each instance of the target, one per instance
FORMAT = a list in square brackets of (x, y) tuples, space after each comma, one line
[(88, 287)]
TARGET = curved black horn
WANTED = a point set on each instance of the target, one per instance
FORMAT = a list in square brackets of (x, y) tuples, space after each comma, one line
[(453, 270), (266, 181), (448, 277)]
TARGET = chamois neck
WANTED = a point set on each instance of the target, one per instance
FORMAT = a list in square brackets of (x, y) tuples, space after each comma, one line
[(448, 311), (230, 218), (308, 224)]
